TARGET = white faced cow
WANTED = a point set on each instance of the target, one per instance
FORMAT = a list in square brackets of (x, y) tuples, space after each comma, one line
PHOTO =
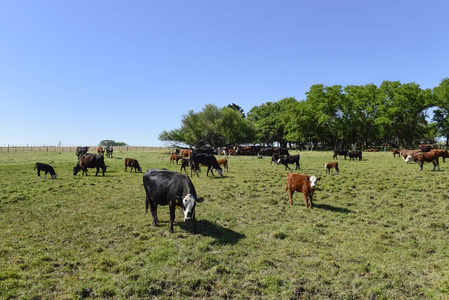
[(164, 187)]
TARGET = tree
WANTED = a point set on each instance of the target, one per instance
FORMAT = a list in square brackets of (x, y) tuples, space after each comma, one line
[(237, 108), (441, 113), (105, 143)]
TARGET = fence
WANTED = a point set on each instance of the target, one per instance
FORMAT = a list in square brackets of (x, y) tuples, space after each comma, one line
[(93, 149)]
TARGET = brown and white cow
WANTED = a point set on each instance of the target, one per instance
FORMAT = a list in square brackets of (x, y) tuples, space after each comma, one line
[(332, 165), (132, 163), (404, 153), (100, 150), (301, 183), (422, 157), (223, 162)]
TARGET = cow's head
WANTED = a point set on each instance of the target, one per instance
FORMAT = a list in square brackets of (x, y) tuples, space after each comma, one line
[(220, 172), (409, 159), (54, 176), (313, 180), (188, 206)]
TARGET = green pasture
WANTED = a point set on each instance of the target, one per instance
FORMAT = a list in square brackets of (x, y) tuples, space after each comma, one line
[(379, 230)]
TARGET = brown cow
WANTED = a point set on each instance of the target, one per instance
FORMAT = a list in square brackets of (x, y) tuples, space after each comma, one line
[(174, 157), (223, 162), (442, 153), (232, 152), (301, 183), (331, 165), (404, 153), (185, 153), (422, 157), (133, 163), (90, 161), (100, 150), (396, 151)]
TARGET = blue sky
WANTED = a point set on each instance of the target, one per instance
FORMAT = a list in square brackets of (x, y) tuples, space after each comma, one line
[(83, 71)]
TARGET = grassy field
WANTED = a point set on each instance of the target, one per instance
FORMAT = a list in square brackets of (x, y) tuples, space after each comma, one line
[(379, 230)]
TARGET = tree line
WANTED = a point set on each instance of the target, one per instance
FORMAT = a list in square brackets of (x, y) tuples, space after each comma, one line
[(393, 114)]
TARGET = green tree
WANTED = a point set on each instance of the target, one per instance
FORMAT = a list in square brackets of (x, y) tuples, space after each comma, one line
[(441, 113), (105, 143)]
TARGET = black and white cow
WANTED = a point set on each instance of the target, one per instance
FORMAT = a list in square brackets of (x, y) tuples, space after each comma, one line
[(109, 151), (291, 159), (202, 159), (45, 168), (164, 187)]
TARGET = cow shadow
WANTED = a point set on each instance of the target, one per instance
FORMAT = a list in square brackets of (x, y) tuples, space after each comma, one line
[(333, 208), (222, 235)]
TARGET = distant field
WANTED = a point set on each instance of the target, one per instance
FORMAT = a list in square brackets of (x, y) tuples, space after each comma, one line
[(379, 230)]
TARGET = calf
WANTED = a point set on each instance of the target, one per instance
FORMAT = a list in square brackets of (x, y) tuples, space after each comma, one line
[(422, 157), (185, 163), (291, 159), (90, 161), (45, 168), (331, 165), (174, 158), (223, 162), (301, 183), (355, 153), (132, 163), (164, 187)]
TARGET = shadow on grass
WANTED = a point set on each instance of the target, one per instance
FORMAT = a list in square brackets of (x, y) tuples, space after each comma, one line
[(333, 208), (222, 235)]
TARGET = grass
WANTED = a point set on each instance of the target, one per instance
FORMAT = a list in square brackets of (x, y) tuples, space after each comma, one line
[(379, 230)]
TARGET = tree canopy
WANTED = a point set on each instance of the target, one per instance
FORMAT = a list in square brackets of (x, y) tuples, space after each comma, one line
[(393, 114)]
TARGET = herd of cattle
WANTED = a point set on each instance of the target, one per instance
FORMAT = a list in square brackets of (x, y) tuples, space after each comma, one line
[(164, 187)]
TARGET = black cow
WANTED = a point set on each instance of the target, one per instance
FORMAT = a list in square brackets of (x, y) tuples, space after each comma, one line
[(81, 150), (90, 161), (202, 159), (109, 151), (355, 153), (291, 159), (185, 163), (164, 187), (45, 168), (275, 158), (340, 152)]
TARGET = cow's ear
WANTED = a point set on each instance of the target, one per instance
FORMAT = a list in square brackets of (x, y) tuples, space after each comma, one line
[(200, 199)]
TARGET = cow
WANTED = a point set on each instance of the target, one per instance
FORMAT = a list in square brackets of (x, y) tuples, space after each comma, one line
[(100, 150), (132, 163), (245, 150), (185, 162), (301, 183), (404, 153), (422, 157), (355, 153), (90, 161), (109, 151), (204, 160), (396, 151), (232, 152), (268, 151), (45, 168), (223, 162), (81, 150), (290, 159), (174, 157), (185, 153), (222, 150), (164, 187), (274, 158), (442, 153), (331, 165), (340, 152)]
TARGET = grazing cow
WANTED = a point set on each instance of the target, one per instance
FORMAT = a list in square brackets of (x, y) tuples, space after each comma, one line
[(442, 153), (404, 153), (100, 150), (81, 150), (291, 159), (204, 160), (331, 165), (396, 151), (422, 157), (45, 168), (90, 161), (164, 187), (185, 163), (355, 153), (174, 157), (425, 148), (301, 183), (109, 151), (223, 162), (340, 152), (132, 163)]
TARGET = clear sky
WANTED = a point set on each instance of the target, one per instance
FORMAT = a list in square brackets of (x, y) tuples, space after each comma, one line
[(83, 71)]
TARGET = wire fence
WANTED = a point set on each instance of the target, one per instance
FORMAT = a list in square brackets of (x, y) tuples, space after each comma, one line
[(93, 149)]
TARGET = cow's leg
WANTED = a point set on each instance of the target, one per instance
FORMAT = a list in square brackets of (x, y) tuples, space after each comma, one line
[(290, 195), (98, 170), (287, 167), (297, 166), (172, 216), (306, 199), (420, 164), (38, 173)]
